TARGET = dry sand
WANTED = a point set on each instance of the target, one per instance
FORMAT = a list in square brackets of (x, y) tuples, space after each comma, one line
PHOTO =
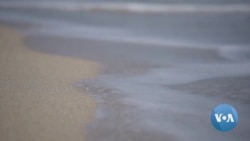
[(37, 100)]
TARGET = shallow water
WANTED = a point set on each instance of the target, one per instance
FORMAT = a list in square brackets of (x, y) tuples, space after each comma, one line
[(183, 24)]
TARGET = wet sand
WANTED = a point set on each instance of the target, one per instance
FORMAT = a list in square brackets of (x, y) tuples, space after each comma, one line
[(37, 99)]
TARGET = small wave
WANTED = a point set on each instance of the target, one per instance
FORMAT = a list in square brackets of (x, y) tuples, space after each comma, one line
[(129, 7), (235, 53)]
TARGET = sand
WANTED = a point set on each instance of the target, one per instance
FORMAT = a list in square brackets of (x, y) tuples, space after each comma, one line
[(37, 99)]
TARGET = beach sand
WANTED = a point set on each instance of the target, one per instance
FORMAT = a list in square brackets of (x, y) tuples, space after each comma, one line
[(37, 99)]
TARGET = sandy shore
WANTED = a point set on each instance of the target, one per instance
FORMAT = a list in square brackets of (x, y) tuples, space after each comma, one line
[(37, 101)]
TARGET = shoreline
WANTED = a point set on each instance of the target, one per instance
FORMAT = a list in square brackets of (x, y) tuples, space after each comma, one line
[(151, 75), (37, 98), (133, 93)]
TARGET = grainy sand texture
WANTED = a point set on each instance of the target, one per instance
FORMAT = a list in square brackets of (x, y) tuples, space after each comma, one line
[(37, 100)]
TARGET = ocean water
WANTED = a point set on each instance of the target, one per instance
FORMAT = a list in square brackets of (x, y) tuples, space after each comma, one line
[(152, 1), (189, 23)]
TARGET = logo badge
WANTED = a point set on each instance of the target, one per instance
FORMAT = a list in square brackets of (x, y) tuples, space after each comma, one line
[(224, 117)]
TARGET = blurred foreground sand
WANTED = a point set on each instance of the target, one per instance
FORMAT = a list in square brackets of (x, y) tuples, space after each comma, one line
[(37, 101)]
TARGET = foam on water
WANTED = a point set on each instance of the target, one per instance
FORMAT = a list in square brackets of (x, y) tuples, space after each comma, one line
[(164, 111), (237, 53)]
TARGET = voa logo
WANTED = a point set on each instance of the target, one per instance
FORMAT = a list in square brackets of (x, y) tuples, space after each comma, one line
[(224, 117)]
